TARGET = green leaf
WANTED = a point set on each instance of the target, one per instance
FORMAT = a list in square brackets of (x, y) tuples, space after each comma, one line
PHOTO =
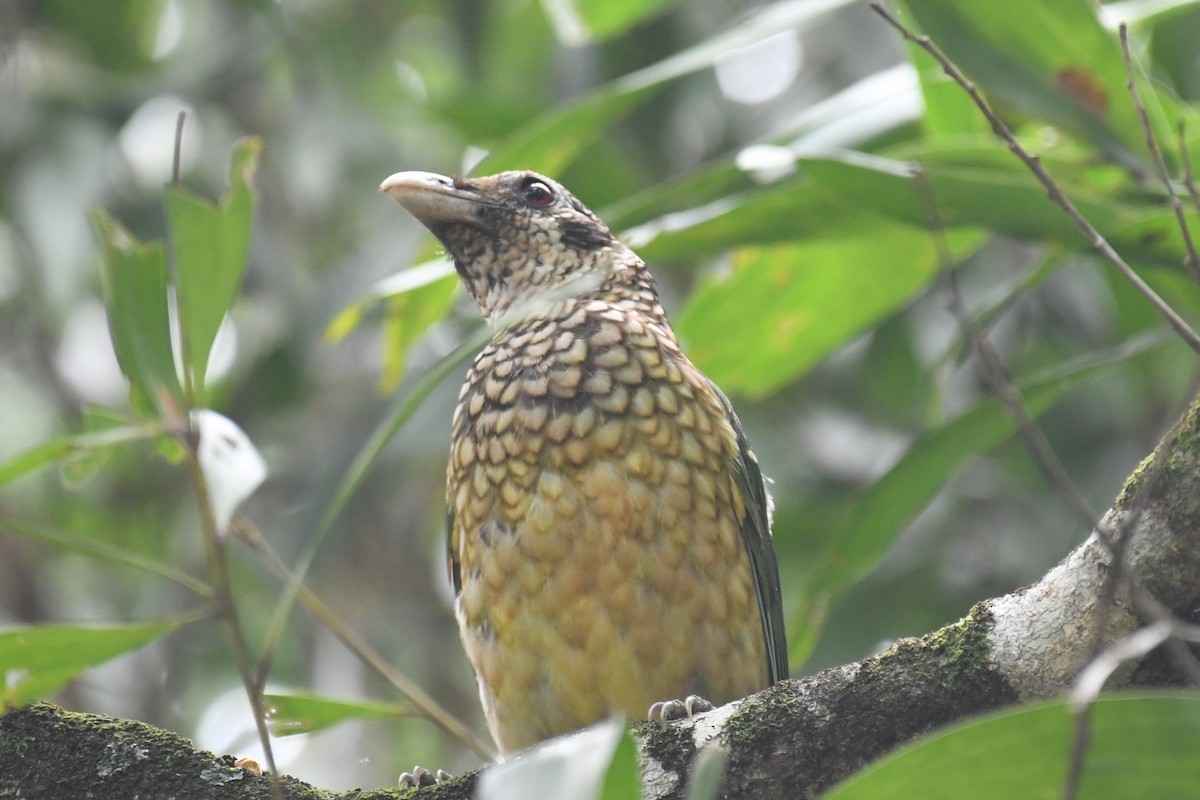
[(105, 430), (865, 108), (555, 139), (134, 277), (1173, 30), (623, 779), (290, 714), (75, 452), (1050, 59), (949, 111), (577, 21), (34, 459), (39, 660), (985, 186), (1141, 746), (894, 500), (790, 210), (414, 299), (407, 318), (119, 42), (104, 551), (721, 181), (409, 280), (783, 309), (210, 243), (356, 474)]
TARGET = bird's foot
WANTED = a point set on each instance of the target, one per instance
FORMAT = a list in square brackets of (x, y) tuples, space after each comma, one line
[(422, 777), (672, 710)]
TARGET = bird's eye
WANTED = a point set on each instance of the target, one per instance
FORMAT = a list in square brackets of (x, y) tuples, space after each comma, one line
[(537, 194)]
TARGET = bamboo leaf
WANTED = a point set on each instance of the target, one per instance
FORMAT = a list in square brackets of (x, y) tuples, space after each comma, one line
[(39, 660), (210, 243), (291, 714), (134, 277)]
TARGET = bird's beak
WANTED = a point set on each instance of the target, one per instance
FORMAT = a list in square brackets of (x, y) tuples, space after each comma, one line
[(433, 199)]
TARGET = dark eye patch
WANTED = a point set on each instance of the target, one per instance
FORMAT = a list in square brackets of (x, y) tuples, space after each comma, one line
[(584, 234)]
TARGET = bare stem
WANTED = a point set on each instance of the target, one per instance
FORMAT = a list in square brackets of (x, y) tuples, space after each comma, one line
[(189, 382), (1053, 191), (425, 705), (1080, 743), (997, 374), (178, 160), (225, 608), (350, 482), (1192, 262), (1002, 384), (1189, 178)]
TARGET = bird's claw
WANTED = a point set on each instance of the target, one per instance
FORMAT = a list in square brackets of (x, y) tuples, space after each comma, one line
[(422, 777), (672, 710)]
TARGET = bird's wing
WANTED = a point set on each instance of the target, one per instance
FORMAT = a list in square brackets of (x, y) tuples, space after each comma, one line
[(756, 535), (452, 565)]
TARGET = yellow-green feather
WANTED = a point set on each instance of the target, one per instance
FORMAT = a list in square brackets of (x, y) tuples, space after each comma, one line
[(599, 518)]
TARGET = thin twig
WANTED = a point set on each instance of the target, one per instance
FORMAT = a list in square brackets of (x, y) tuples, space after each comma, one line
[(1192, 261), (425, 705), (1052, 189), (997, 374), (226, 609), (1182, 632), (1000, 382), (107, 552), (1128, 648), (1144, 601), (1166, 629), (1081, 741), (189, 380), (1117, 546), (350, 482), (1039, 449), (1189, 178), (178, 159), (1106, 603)]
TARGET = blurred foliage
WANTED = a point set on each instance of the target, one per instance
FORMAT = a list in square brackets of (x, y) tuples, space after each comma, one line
[(1141, 746), (293, 714), (40, 660), (778, 165)]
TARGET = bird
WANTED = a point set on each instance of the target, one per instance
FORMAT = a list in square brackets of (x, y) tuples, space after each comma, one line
[(608, 526)]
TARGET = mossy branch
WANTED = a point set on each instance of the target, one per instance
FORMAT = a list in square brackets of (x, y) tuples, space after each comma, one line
[(798, 737)]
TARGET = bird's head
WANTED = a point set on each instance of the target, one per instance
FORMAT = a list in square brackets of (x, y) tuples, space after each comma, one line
[(519, 240)]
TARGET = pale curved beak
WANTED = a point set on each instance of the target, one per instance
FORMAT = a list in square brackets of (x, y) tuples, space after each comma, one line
[(433, 199)]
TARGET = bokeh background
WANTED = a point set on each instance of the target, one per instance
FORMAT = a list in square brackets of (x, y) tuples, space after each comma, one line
[(343, 94)]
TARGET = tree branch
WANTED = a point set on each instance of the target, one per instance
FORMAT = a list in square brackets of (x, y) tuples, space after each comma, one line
[(798, 737), (47, 753)]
